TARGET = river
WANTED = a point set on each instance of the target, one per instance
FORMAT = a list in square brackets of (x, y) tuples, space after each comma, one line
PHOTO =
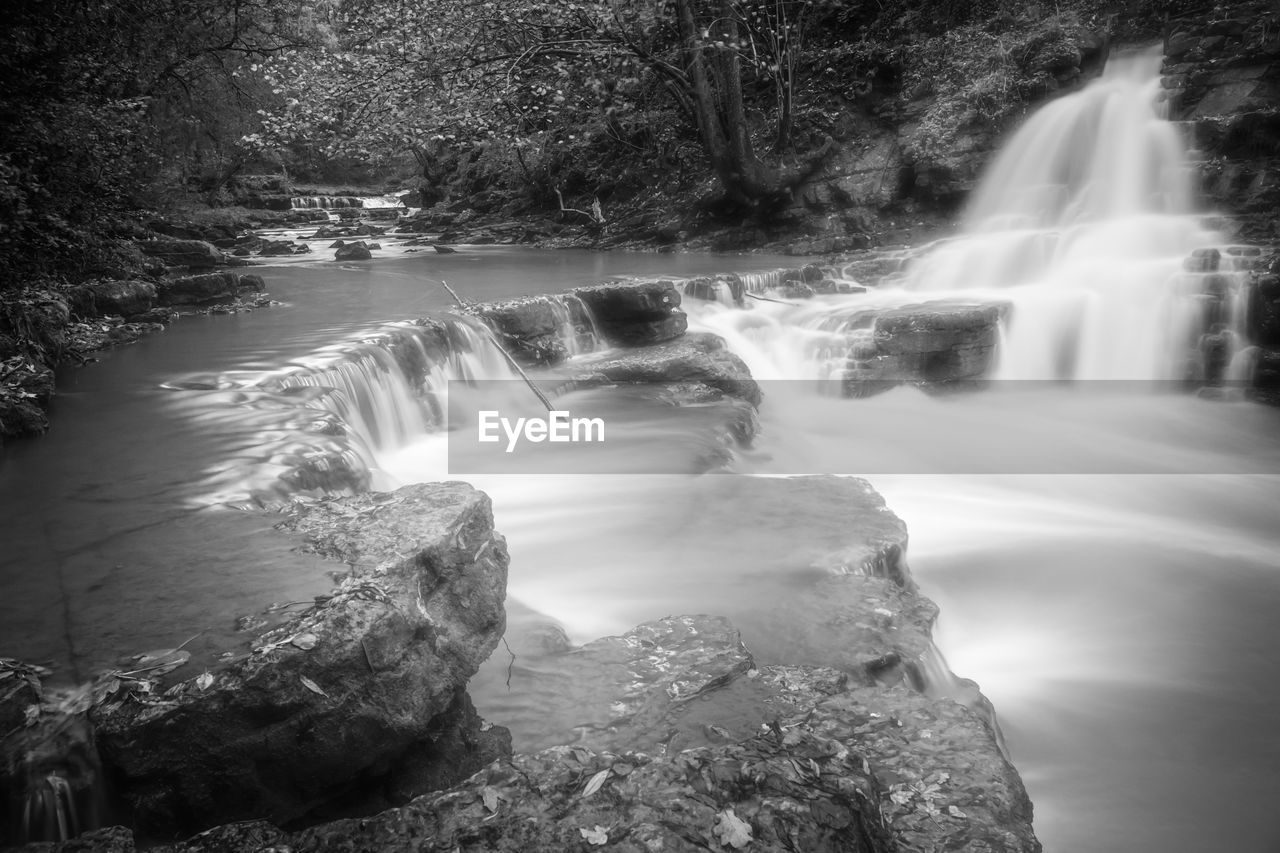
[(1106, 556)]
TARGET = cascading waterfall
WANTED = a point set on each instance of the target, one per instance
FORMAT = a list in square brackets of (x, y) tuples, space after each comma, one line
[(578, 330), (56, 791), (325, 202), (325, 423), (1083, 230), (1083, 224), (758, 282)]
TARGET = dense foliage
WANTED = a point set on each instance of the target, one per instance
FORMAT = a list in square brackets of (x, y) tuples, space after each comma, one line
[(119, 104), (103, 102)]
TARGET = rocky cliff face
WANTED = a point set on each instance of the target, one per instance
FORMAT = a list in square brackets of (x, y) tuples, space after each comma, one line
[(1222, 73)]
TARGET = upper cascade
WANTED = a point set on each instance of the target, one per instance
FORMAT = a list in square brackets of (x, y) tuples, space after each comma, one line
[(1081, 227), (1104, 152)]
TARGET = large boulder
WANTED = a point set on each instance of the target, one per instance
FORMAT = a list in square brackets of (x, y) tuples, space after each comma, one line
[(195, 254), (700, 358), (126, 298), (539, 329), (338, 699), (199, 289), (635, 313), (933, 344), (353, 252)]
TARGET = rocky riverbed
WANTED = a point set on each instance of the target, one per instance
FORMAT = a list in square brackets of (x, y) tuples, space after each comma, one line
[(686, 740), (851, 736)]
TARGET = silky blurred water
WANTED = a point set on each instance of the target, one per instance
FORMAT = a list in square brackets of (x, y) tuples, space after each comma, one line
[(1106, 555), (113, 534)]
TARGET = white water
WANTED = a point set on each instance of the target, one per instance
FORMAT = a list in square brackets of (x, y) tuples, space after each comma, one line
[(1107, 615)]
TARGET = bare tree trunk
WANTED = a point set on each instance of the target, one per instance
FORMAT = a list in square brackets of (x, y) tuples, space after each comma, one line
[(718, 106)]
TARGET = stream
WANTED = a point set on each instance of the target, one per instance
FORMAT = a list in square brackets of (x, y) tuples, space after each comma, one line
[(1105, 554)]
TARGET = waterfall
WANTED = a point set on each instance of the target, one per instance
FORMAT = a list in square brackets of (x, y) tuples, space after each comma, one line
[(56, 786), (325, 202), (1083, 231), (577, 327), (758, 282), (1084, 224), (326, 422)]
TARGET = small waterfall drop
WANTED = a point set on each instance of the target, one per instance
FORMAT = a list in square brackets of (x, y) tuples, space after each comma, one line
[(56, 785), (326, 422), (325, 202)]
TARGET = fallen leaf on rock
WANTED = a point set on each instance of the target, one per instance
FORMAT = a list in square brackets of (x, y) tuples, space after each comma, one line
[(732, 830), (955, 812), (597, 837), (490, 798), (161, 661), (312, 686), (595, 783), (305, 640), (204, 680)]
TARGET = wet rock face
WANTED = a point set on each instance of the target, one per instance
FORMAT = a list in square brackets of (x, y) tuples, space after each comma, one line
[(1222, 74), (538, 329), (353, 252), (700, 358), (126, 298), (206, 288), (1263, 315), (925, 344), (764, 794), (725, 756), (195, 254), (945, 783), (636, 313), (339, 698)]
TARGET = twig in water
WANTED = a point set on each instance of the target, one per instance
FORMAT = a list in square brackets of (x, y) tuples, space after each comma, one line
[(767, 299), (187, 640), (511, 663), (462, 303)]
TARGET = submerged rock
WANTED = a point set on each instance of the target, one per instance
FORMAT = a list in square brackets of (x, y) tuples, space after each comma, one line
[(337, 700)]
